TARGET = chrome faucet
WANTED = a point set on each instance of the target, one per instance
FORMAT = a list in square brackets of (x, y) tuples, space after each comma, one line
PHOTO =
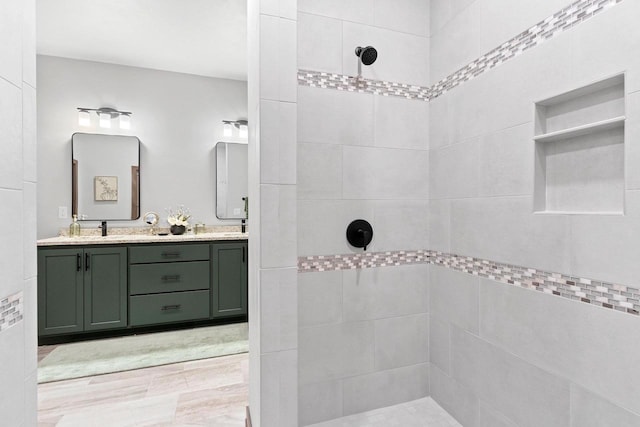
[(104, 228)]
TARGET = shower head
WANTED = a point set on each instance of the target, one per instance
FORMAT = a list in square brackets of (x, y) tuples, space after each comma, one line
[(367, 55)]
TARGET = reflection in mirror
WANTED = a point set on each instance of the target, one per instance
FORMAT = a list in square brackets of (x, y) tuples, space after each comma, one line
[(232, 181), (105, 177)]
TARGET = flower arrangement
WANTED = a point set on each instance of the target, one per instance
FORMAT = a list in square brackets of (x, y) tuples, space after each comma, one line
[(180, 217)]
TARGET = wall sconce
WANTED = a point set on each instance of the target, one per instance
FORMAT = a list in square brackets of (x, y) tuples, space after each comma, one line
[(106, 115), (241, 125)]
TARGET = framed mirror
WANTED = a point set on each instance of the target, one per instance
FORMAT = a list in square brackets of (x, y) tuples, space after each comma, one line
[(105, 177), (232, 183)]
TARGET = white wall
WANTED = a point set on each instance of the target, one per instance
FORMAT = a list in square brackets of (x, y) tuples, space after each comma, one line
[(570, 359), (362, 335), (18, 359), (178, 118)]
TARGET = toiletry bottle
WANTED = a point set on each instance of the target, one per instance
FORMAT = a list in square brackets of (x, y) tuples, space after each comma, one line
[(74, 228)]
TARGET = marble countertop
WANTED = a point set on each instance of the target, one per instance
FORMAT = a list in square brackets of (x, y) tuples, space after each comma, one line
[(141, 238)]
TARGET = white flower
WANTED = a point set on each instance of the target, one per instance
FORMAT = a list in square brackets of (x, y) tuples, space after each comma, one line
[(181, 217)]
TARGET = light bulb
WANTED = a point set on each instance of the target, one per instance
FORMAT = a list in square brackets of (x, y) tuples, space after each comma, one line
[(125, 121), (228, 129), (84, 118), (105, 120), (244, 131)]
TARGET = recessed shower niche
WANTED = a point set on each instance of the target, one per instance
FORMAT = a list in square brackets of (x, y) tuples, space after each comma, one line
[(579, 137)]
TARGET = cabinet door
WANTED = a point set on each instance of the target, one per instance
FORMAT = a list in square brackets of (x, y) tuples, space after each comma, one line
[(60, 305), (105, 288), (229, 279)]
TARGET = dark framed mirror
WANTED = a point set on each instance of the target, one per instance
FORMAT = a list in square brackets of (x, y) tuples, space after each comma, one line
[(105, 177), (232, 183)]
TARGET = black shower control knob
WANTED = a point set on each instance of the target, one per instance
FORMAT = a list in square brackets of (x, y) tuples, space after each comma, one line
[(360, 233)]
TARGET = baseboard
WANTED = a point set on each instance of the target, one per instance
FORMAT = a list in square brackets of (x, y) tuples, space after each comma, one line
[(247, 421)]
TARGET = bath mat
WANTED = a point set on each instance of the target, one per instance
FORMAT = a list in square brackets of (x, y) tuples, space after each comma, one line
[(82, 359)]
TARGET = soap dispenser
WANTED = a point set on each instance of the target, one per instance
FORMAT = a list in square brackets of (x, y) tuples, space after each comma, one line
[(74, 227)]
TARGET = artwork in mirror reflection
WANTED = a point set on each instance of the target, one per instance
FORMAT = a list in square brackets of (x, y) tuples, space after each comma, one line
[(232, 182), (105, 177)]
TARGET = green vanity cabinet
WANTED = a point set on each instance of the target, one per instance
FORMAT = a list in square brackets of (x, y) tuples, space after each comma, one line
[(168, 283), (229, 279), (81, 289)]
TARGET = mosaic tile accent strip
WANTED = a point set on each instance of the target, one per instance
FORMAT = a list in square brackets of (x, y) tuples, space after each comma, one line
[(613, 296), (361, 85), (11, 311), (361, 260), (550, 27)]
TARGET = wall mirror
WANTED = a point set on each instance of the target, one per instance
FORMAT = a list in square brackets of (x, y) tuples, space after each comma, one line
[(232, 180), (105, 177)]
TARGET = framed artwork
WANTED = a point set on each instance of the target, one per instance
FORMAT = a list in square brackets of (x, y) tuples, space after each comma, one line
[(105, 188)]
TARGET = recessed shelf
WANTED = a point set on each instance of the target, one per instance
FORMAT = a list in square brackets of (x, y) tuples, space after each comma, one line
[(579, 143), (581, 130)]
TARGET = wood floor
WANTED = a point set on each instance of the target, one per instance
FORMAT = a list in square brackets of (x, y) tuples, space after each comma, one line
[(209, 392)]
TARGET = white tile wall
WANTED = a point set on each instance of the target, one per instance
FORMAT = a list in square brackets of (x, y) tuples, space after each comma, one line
[(407, 16)]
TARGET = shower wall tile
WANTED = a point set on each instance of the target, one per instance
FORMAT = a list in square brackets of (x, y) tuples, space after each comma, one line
[(583, 350), (526, 393), (453, 297), (611, 246), (11, 164), (30, 305), (401, 341), (439, 344), (335, 351), (454, 397), (279, 314), (321, 401), (278, 64), (280, 8), (504, 229), (401, 57), (492, 418), (440, 121), (456, 43), (400, 224), (407, 16), (29, 133), (11, 48), (29, 206), (506, 161), (334, 117), (319, 298), (401, 124), (11, 254), (278, 226), (501, 19), (322, 225), (12, 371), (442, 11), (601, 51), (590, 410), (454, 170), (440, 225), (632, 151), (278, 142), (319, 171), (354, 10), (373, 173), (379, 293), (279, 400), (319, 43), (385, 388)]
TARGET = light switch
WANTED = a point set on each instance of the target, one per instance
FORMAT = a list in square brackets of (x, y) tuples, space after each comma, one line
[(62, 212)]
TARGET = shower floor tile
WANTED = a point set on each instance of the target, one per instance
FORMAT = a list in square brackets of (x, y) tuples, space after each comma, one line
[(418, 413)]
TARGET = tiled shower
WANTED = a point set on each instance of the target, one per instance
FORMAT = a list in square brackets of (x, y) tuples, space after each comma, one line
[(505, 310)]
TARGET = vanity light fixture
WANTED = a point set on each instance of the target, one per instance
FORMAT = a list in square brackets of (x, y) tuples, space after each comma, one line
[(241, 125), (106, 115)]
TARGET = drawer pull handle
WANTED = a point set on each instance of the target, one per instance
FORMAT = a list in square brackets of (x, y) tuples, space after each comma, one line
[(170, 254), (169, 278), (171, 307)]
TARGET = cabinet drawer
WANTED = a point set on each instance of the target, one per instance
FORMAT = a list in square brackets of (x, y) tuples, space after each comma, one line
[(168, 277), (167, 308), (168, 253)]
